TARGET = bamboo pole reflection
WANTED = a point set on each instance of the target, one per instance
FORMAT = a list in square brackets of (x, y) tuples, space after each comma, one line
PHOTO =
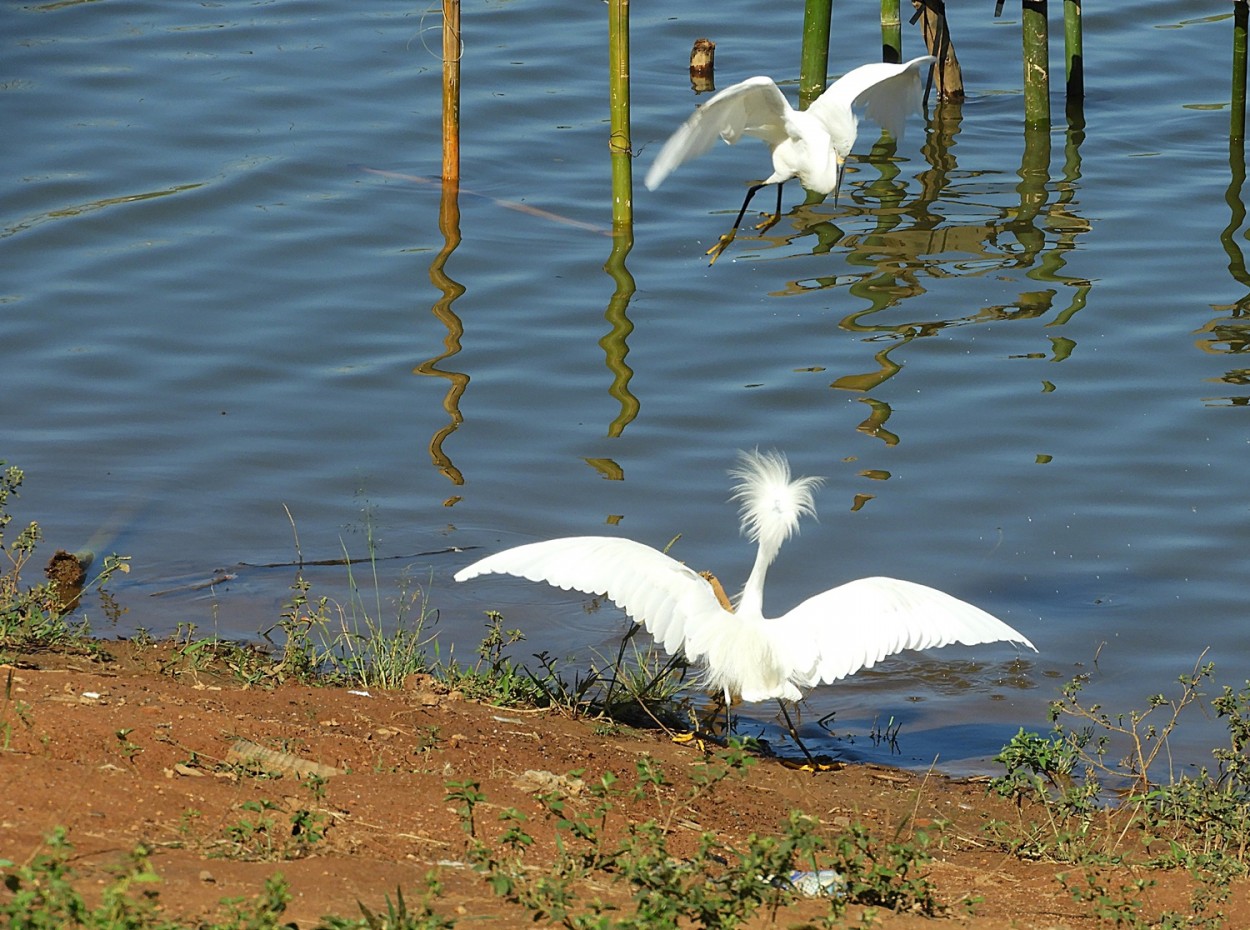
[(457, 382), (614, 343), (911, 242), (449, 226), (1229, 333)]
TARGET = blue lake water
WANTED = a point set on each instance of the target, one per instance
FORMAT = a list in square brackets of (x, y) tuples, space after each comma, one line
[(1017, 359)]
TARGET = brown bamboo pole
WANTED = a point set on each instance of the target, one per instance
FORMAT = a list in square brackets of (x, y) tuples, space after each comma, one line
[(891, 32), (1036, 64), (937, 38), (451, 90)]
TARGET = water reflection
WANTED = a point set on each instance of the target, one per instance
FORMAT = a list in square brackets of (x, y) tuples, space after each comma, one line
[(613, 343), (1229, 334), (457, 382), (80, 209), (620, 148), (936, 228)]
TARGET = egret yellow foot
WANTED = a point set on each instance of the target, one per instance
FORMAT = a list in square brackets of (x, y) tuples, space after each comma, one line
[(721, 245), (768, 222), (683, 738)]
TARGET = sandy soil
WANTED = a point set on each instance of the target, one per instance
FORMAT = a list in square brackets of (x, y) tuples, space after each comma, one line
[(136, 750)]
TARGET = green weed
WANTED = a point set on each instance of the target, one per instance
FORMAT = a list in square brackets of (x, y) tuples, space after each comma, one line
[(1088, 794), (599, 847), (11, 712), (39, 616), (43, 895), (265, 836), (397, 916)]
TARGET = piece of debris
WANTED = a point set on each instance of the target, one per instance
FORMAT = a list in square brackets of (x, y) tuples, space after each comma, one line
[(541, 780), (68, 573), (275, 762)]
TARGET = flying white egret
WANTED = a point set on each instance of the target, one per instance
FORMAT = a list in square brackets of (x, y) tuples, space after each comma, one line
[(827, 637), (810, 144)]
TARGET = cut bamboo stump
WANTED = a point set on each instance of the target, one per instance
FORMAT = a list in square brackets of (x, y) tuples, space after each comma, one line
[(703, 66)]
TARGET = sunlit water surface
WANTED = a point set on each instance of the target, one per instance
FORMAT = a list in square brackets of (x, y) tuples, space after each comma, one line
[(1016, 358)]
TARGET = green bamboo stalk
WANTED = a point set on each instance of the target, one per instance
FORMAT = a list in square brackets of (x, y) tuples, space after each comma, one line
[(618, 99), (1237, 127), (891, 32), (1073, 48), (1036, 64), (814, 65)]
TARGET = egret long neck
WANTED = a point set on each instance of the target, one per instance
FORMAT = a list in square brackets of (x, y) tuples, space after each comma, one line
[(751, 603)]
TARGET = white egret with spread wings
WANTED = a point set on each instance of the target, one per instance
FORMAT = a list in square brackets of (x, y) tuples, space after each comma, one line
[(743, 653), (811, 144)]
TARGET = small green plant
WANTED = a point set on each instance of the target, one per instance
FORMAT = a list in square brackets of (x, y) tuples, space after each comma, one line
[(262, 836), (42, 895), (1116, 907), (398, 916), (494, 677), (1200, 823), (469, 796), (353, 641), (599, 845), (884, 875), (264, 912), (127, 748), (39, 615), (253, 837), (45, 895), (11, 711)]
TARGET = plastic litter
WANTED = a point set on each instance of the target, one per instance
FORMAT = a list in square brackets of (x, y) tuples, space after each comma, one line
[(825, 883)]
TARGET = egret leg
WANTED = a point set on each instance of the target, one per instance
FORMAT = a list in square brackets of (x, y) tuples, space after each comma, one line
[(708, 722), (728, 237), (794, 735), (770, 221)]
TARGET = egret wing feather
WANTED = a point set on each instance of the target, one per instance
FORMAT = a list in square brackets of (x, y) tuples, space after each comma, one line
[(887, 93), (755, 107), (672, 601), (854, 626)]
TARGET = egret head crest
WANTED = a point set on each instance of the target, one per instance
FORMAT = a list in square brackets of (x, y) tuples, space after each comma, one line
[(770, 503)]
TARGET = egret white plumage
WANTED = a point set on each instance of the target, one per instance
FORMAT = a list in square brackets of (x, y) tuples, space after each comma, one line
[(827, 637), (810, 144)]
